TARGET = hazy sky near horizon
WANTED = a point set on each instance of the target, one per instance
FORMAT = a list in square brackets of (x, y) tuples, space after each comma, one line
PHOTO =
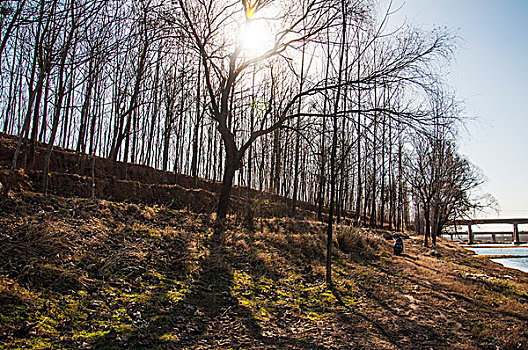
[(490, 74)]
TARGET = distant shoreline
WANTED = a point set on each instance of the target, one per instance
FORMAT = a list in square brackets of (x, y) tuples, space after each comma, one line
[(511, 256)]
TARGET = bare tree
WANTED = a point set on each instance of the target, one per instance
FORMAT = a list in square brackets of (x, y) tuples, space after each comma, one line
[(442, 181), (208, 25)]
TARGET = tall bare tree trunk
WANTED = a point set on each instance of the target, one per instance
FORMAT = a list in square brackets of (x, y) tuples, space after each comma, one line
[(297, 141), (31, 100), (194, 162), (333, 154), (116, 146)]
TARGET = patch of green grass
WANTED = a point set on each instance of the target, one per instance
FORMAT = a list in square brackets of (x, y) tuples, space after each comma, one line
[(178, 292)]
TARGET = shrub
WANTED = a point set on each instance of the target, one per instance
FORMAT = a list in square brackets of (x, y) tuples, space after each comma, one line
[(361, 243)]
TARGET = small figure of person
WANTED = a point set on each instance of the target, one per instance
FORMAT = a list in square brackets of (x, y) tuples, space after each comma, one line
[(398, 244)]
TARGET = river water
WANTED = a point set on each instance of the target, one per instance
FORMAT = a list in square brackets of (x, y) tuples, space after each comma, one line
[(520, 263)]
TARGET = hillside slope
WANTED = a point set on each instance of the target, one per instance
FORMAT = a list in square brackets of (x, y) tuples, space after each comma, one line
[(71, 176), (76, 273)]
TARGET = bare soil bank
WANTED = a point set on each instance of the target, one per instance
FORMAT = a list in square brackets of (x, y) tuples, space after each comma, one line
[(71, 176)]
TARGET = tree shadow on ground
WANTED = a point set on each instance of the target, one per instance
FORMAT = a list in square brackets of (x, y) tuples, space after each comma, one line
[(401, 323), (207, 316), (355, 316)]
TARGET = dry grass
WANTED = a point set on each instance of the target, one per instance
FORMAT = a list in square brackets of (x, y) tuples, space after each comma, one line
[(361, 243), (83, 274), (47, 247)]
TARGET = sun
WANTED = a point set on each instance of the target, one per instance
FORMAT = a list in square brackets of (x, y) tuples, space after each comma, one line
[(256, 37)]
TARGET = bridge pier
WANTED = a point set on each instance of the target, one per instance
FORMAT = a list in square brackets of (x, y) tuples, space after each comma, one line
[(516, 236), (471, 236)]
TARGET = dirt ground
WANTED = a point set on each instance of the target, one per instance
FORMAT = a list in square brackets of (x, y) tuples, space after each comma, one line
[(84, 274)]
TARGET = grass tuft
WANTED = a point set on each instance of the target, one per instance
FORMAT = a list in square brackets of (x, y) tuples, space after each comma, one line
[(361, 244)]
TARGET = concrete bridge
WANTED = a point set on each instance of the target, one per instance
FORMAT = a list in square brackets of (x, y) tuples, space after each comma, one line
[(471, 222)]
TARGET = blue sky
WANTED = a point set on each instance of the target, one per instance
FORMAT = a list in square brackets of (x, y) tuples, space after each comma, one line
[(490, 73)]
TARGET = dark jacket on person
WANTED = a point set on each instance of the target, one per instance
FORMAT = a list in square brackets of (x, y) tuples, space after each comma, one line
[(398, 245)]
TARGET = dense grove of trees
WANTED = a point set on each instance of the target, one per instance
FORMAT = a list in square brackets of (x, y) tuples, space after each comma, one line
[(312, 99)]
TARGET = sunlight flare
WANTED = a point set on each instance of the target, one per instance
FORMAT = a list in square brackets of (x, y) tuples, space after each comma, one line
[(251, 8), (256, 37)]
